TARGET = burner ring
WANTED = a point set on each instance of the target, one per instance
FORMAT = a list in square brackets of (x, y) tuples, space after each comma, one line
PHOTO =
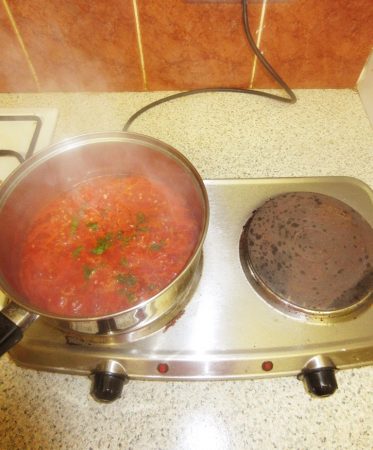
[(309, 255)]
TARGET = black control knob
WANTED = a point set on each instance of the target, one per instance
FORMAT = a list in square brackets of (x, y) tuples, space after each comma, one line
[(318, 376), (320, 382), (108, 386)]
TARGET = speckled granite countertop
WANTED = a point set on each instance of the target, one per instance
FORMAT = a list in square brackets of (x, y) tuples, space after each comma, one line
[(325, 133)]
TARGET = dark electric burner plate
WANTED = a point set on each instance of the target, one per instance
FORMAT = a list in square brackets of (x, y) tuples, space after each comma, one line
[(309, 253)]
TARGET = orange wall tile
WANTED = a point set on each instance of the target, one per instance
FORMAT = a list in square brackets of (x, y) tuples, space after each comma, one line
[(317, 43), (193, 45), (15, 75), (79, 45)]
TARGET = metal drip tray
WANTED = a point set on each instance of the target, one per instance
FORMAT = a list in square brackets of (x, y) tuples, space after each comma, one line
[(227, 329)]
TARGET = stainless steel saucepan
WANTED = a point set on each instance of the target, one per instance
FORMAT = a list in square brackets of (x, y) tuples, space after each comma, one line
[(56, 169)]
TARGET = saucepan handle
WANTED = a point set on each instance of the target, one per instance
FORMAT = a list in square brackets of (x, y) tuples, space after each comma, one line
[(13, 320), (10, 334)]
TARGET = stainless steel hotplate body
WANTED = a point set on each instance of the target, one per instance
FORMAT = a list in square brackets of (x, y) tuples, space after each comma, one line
[(227, 330)]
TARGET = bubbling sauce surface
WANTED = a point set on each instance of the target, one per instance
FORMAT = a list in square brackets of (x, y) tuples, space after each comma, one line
[(106, 245)]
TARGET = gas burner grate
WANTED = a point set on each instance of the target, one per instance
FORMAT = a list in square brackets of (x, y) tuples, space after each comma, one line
[(23, 118)]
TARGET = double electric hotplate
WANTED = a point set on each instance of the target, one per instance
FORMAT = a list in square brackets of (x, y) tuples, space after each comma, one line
[(228, 327)]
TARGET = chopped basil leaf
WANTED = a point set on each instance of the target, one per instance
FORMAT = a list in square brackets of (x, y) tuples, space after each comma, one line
[(74, 225), (124, 261), (87, 272), (77, 251), (131, 296), (156, 246), (92, 226), (127, 279), (140, 218), (99, 250), (125, 240), (103, 244), (120, 235)]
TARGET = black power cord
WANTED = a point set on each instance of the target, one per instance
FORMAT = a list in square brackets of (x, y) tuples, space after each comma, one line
[(290, 99)]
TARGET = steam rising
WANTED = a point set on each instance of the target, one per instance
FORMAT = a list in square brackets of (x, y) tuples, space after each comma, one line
[(45, 176)]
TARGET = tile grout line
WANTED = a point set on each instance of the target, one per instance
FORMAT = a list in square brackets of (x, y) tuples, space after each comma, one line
[(258, 40), (21, 43), (139, 43)]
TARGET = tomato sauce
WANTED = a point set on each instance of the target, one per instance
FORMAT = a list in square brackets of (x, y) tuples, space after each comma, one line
[(106, 245)]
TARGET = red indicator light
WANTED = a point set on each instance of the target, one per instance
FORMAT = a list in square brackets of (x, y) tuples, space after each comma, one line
[(267, 366), (162, 368)]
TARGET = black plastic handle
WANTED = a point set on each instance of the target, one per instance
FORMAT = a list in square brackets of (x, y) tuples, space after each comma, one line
[(10, 334), (321, 382), (108, 386)]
